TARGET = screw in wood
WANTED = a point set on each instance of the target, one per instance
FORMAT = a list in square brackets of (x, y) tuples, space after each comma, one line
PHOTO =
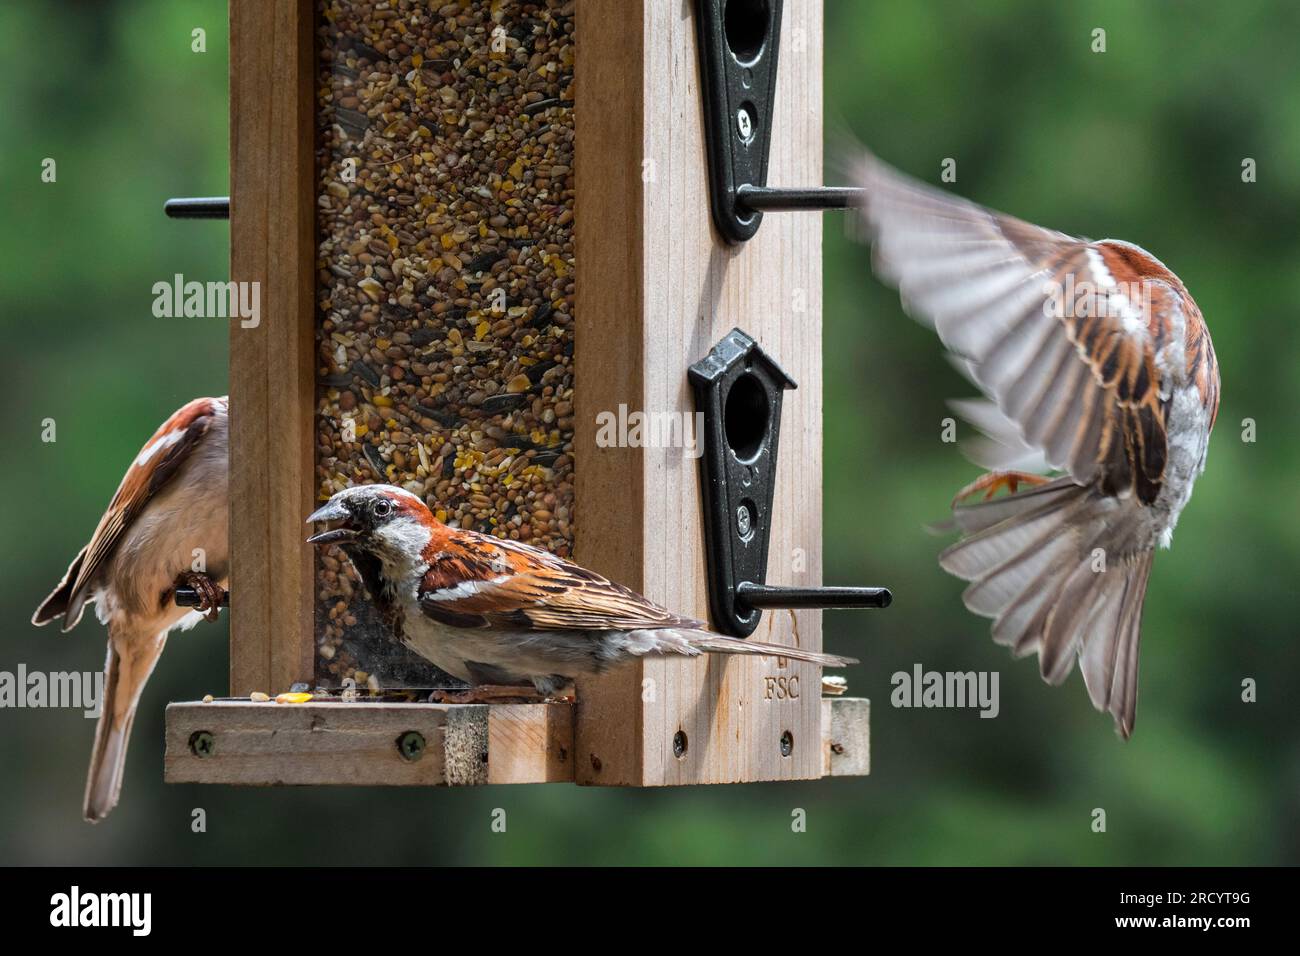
[(787, 744), (679, 744), (202, 744), (411, 746)]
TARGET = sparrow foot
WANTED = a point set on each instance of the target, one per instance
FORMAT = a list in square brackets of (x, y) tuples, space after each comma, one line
[(489, 694), (995, 481), (209, 594)]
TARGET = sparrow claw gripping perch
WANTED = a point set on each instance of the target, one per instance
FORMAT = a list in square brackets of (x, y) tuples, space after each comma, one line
[(209, 593)]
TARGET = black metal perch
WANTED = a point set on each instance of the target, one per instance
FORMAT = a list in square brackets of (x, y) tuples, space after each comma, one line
[(777, 199), (208, 207), (188, 597), (775, 596)]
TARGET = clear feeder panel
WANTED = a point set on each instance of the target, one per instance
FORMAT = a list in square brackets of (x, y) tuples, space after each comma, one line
[(444, 290)]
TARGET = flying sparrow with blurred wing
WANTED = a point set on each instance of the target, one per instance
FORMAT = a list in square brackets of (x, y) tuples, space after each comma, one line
[(171, 502), (1097, 363), (492, 611)]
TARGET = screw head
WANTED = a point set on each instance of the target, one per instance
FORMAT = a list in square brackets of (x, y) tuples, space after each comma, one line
[(411, 746), (744, 124), (202, 744), (787, 744), (744, 521), (679, 744)]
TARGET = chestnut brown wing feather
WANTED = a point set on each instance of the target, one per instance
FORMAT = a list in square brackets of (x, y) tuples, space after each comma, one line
[(1075, 369), (478, 580)]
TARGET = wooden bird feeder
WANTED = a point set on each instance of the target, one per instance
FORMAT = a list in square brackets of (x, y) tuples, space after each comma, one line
[(481, 229)]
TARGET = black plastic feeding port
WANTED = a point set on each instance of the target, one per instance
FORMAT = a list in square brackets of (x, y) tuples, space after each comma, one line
[(739, 43), (209, 207), (739, 388)]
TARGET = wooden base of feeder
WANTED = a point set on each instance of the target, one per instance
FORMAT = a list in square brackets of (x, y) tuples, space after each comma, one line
[(249, 743)]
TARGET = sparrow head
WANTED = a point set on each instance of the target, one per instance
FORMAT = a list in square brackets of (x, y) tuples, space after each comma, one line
[(381, 519)]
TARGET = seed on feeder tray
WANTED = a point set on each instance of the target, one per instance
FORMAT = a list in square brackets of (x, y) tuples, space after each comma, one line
[(293, 698), (833, 685)]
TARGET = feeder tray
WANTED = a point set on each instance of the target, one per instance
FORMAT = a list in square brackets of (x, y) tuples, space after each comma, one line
[(240, 742)]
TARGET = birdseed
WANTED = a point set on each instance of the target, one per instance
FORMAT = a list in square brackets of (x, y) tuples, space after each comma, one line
[(444, 163)]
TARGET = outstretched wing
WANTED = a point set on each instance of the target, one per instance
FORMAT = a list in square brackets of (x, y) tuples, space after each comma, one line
[(1076, 342), (155, 465), (477, 580)]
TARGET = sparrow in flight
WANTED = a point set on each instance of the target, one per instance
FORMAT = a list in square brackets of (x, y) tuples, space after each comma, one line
[(492, 611), (169, 509), (1094, 362)]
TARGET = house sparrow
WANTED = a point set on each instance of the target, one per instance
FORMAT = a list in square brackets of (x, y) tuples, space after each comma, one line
[(1095, 362), (492, 611), (171, 503)]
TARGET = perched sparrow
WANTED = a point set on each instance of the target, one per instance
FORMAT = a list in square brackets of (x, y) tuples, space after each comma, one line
[(491, 611), (1097, 363), (171, 502)]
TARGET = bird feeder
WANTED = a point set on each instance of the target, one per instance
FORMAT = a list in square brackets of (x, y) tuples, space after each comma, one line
[(484, 231)]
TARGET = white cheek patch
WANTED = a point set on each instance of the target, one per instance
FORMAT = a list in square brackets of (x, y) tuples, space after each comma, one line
[(404, 536)]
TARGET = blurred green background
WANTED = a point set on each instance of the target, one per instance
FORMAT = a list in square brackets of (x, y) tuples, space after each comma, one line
[(1144, 142)]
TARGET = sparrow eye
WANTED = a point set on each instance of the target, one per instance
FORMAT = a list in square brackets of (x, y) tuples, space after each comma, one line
[(382, 508)]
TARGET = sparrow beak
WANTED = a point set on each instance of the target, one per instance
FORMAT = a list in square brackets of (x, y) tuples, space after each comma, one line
[(331, 511)]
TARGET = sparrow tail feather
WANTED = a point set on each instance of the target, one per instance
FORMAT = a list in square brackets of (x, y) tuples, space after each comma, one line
[(123, 682), (689, 642), (718, 644), (1046, 566)]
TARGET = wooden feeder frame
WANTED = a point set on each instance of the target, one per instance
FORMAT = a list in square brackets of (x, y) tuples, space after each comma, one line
[(656, 288)]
